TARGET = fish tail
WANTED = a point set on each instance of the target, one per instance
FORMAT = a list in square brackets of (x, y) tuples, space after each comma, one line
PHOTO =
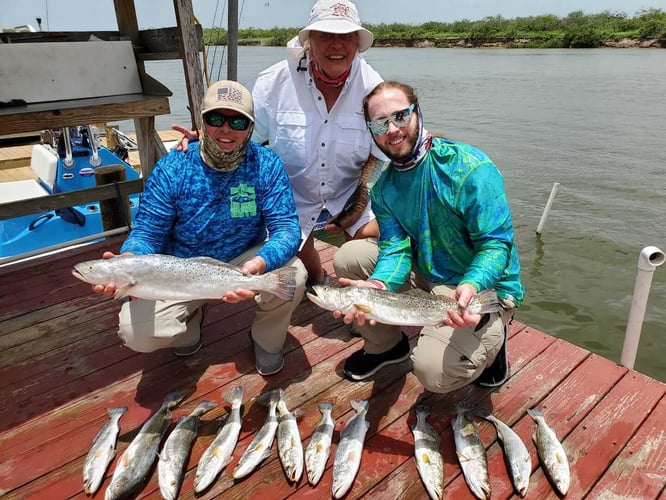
[(173, 399), (283, 282), (120, 410), (484, 302), (358, 406), (204, 407), (325, 406), (234, 395), (535, 413), (422, 409)]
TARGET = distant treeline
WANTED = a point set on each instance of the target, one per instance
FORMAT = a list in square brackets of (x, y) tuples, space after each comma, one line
[(576, 30)]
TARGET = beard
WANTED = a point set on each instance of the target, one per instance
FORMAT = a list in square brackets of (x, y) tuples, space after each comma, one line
[(406, 148)]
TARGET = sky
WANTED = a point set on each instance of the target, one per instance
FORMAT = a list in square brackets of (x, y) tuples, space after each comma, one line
[(91, 15)]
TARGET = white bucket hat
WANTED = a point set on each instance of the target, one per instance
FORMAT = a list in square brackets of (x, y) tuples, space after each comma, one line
[(336, 16)]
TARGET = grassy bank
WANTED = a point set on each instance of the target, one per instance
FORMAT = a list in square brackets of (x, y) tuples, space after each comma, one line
[(576, 30)]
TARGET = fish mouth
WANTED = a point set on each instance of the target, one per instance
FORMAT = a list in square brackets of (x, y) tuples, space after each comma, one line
[(78, 274)]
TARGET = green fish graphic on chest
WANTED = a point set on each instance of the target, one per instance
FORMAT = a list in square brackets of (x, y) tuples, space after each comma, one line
[(242, 201)]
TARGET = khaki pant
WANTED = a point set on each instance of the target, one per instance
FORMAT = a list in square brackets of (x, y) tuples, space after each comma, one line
[(444, 358), (149, 325)]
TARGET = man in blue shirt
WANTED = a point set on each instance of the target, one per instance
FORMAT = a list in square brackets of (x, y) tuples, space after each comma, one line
[(227, 198), (445, 227)]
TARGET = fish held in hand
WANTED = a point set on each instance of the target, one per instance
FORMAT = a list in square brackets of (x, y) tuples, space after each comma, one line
[(551, 453), (471, 453), (102, 451), (218, 454), (429, 460), (319, 447), (516, 453), (176, 450), (135, 463), (347, 459), (165, 277), (404, 309)]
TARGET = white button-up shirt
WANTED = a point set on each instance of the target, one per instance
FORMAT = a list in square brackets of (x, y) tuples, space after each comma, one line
[(323, 152)]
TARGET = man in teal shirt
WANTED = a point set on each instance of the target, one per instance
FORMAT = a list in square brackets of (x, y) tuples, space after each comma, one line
[(445, 227)]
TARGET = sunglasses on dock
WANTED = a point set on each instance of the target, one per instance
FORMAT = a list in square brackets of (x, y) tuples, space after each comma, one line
[(235, 122), (399, 119)]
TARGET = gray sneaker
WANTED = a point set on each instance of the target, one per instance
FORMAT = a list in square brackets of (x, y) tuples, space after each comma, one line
[(267, 363)]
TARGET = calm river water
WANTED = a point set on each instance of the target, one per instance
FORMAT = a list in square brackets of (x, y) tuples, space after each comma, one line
[(592, 120)]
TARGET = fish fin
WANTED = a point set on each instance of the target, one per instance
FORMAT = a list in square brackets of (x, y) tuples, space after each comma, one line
[(360, 405), (484, 302), (283, 282), (123, 291), (363, 308)]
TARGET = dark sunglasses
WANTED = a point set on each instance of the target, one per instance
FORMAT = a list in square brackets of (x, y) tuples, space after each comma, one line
[(237, 122)]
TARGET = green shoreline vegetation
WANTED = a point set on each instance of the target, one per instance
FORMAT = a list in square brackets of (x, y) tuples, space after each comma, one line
[(647, 28)]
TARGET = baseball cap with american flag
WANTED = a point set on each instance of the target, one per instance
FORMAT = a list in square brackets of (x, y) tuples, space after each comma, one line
[(227, 94)]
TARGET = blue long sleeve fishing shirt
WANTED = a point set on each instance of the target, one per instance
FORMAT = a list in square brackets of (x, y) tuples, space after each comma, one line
[(189, 209), (450, 218)]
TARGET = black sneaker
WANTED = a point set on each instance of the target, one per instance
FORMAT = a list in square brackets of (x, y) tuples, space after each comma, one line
[(188, 350), (499, 372), (362, 365)]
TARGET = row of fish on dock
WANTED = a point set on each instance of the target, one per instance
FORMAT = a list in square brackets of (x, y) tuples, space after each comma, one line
[(474, 463), (135, 464)]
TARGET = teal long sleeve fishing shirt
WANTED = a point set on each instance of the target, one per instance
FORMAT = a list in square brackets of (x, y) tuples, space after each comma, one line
[(448, 217), (189, 210)]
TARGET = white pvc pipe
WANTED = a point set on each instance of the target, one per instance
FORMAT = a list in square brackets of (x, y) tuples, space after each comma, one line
[(69, 159), (94, 160), (648, 260), (549, 204)]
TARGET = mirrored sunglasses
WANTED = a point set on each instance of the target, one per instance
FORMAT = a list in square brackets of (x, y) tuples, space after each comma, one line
[(237, 122), (399, 119)]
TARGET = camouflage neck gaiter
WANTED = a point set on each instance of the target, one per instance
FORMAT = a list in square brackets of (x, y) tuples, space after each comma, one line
[(219, 160)]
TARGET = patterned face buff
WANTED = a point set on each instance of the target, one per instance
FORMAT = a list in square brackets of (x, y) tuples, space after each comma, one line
[(421, 147), (220, 160)]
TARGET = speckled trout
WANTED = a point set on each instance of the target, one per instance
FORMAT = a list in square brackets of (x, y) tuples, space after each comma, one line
[(260, 447), (102, 451), (290, 448), (135, 463), (515, 451), (429, 460), (471, 453), (165, 277), (347, 459), (319, 447), (551, 453), (176, 451), (219, 452), (405, 309)]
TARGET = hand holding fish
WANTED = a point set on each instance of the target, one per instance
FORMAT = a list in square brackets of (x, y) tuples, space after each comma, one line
[(108, 289), (462, 318), (255, 266), (355, 314)]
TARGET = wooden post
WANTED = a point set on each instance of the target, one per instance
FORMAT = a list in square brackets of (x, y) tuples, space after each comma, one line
[(128, 26), (115, 212), (232, 41), (190, 53)]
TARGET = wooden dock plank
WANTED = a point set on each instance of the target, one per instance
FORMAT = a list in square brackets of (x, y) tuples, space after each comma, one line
[(62, 365), (639, 471)]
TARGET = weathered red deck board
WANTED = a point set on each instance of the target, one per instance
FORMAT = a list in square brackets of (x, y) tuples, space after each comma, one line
[(61, 366)]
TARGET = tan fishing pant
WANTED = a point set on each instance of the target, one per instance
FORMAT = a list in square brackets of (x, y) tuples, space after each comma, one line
[(149, 325), (444, 358)]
